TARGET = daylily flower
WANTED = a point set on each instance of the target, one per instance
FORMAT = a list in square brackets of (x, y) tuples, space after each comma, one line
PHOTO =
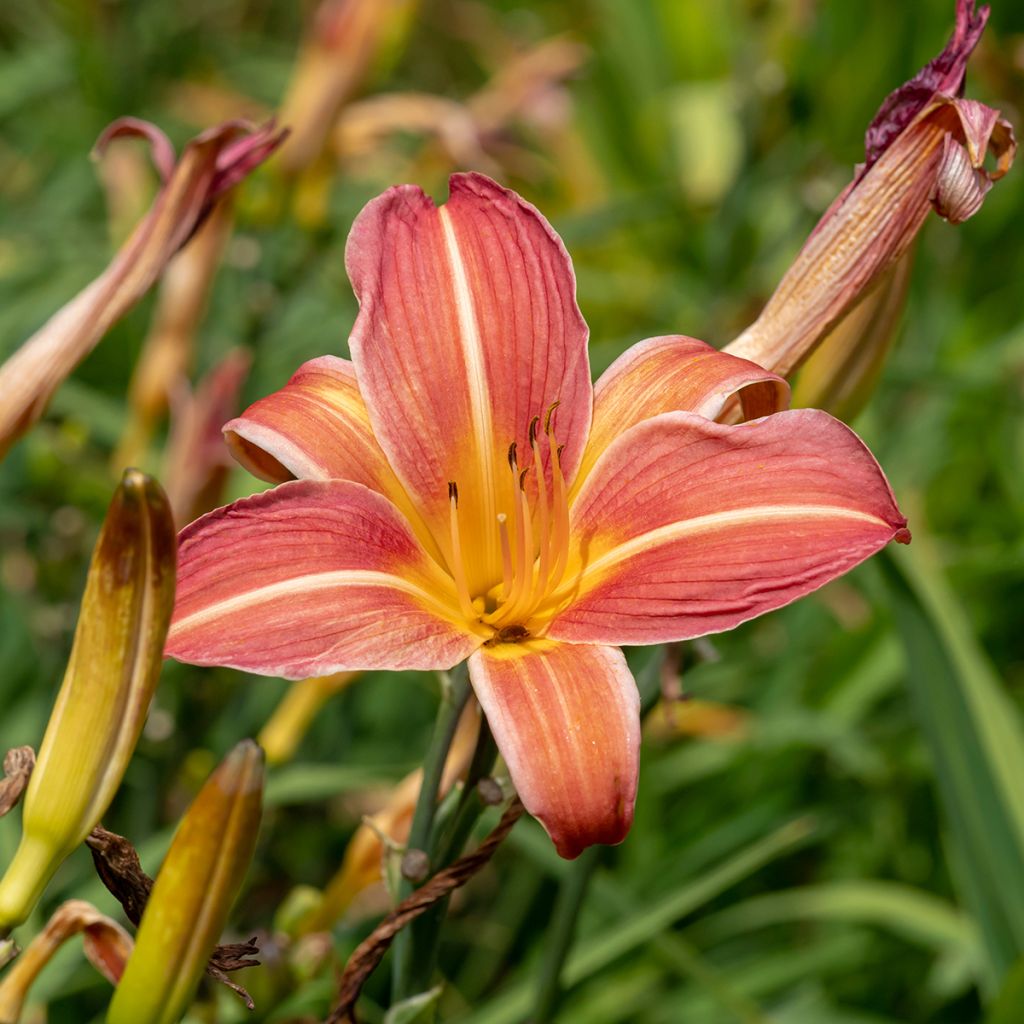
[(466, 492), (926, 150), (210, 165)]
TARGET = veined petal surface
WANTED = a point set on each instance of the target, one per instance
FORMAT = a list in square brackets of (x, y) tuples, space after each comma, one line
[(309, 578), (317, 428), (687, 527), (468, 328), (566, 719), (675, 373)]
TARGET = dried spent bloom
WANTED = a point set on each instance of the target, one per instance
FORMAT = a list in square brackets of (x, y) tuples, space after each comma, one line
[(110, 679), (193, 893), (466, 492), (285, 728), (210, 164), (167, 350), (107, 946), (926, 150), (841, 373)]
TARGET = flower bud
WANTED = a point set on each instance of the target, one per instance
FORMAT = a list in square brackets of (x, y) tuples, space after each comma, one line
[(193, 893), (101, 708)]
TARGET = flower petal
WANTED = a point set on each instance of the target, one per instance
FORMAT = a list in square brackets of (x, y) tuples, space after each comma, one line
[(675, 373), (468, 328), (687, 527), (315, 428), (310, 578), (567, 721)]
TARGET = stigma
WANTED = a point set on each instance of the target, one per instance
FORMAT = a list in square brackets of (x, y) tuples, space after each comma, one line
[(534, 542)]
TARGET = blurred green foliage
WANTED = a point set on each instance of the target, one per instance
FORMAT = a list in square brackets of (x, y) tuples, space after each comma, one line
[(811, 869)]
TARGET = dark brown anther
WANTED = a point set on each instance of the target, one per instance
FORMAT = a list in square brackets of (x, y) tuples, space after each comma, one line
[(533, 430), (513, 462), (558, 452), (549, 415), (522, 479), (453, 492)]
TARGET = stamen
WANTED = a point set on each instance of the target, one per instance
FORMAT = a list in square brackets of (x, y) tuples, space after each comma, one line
[(543, 512), (506, 557), (458, 566), (524, 566), (560, 507), (513, 464)]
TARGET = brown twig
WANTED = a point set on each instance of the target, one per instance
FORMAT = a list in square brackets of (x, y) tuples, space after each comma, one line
[(371, 951), (120, 870), (18, 765)]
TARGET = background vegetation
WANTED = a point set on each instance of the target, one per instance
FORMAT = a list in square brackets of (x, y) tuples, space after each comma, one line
[(842, 848)]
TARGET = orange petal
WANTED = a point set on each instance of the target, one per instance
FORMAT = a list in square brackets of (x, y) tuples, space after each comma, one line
[(566, 719), (309, 578), (675, 373), (468, 328), (687, 527)]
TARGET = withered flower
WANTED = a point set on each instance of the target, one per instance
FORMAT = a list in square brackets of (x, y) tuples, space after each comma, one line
[(210, 164), (926, 150), (101, 708), (193, 893), (107, 946)]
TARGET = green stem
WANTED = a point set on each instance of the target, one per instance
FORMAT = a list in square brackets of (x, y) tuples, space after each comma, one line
[(407, 953), (563, 925)]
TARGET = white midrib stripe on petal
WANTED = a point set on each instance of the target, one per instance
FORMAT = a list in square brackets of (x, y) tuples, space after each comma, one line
[(476, 370), (703, 524), (299, 585)]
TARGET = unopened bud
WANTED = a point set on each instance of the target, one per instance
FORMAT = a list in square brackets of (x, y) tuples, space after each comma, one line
[(193, 893), (101, 708)]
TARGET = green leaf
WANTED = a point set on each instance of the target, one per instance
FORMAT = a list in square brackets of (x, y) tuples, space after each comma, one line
[(977, 746)]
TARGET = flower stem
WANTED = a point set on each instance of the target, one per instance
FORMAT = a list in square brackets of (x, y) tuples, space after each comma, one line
[(563, 925), (411, 950)]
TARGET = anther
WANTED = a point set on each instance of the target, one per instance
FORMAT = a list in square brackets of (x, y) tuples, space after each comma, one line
[(513, 463), (453, 492), (533, 430), (550, 413), (522, 479)]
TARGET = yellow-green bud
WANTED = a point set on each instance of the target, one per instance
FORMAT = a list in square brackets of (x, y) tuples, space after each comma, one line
[(101, 708), (193, 893)]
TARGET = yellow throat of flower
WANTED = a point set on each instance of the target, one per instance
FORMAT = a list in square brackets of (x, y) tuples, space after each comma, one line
[(534, 545)]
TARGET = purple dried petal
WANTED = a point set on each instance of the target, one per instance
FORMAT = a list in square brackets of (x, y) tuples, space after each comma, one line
[(944, 74)]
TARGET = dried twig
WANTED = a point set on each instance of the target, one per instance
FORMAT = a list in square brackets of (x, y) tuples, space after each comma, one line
[(120, 870), (371, 951), (18, 765)]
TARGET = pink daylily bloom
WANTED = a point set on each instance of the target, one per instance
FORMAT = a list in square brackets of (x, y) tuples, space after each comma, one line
[(465, 492)]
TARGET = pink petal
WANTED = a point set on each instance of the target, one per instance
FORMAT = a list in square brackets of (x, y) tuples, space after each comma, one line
[(675, 373), (566, 719), (468, 328), (687, 527), (315, 428), (310, 578)]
